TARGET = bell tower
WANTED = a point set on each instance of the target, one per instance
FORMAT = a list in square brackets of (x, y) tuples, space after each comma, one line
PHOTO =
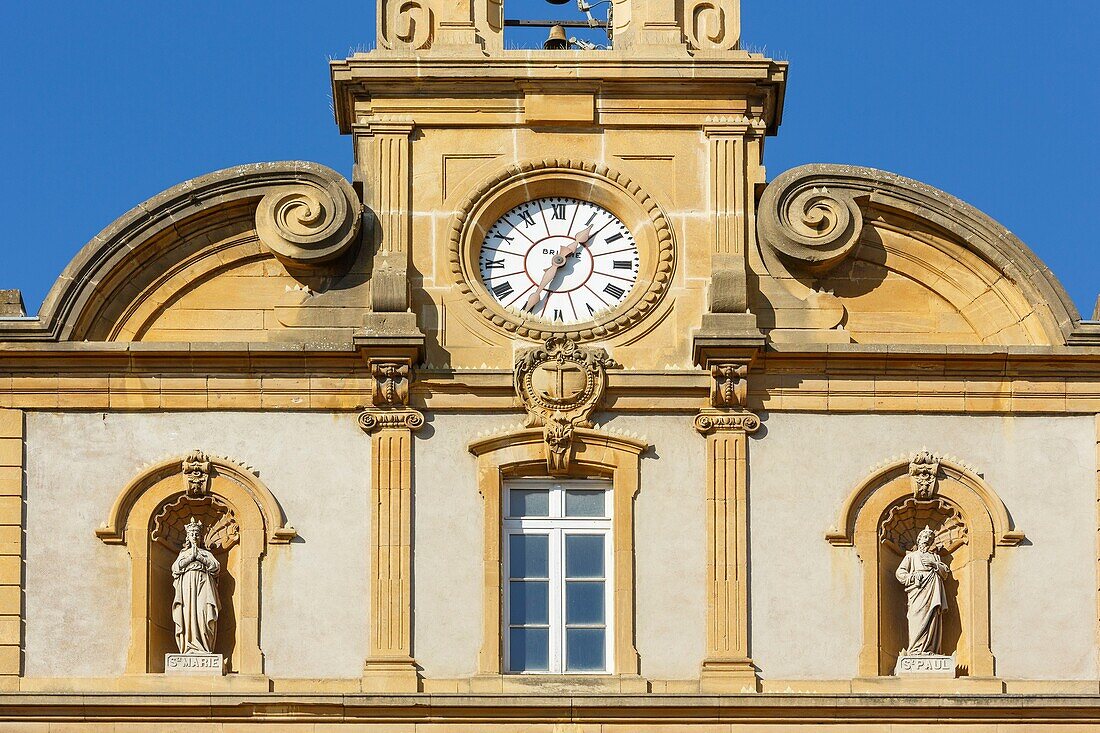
[(662, 127)]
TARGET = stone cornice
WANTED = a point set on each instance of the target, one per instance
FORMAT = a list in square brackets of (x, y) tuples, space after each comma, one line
[(364, 76), (438, 708), (193, 376), (194, 357)]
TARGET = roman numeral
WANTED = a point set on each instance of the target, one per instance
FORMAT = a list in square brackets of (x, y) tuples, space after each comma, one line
[(504, 238), (503, 290), (622, 264), (591, 218), (591, 310), (559, 211), (613, 237), (614, 290), (499, 264), (557, 315), (527, 218)]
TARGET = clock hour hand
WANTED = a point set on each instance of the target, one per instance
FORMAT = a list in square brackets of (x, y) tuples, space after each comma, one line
[(555, 264)]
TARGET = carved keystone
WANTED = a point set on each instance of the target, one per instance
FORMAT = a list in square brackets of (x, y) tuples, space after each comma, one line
[(923, 472)]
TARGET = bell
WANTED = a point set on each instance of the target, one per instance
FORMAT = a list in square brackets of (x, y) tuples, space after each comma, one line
[(557, 40)]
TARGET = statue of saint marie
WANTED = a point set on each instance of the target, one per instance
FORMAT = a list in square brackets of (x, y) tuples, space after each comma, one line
[(922, 573), (195, 606)]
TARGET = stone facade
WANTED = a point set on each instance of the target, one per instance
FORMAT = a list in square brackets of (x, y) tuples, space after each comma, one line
[(794, 376)]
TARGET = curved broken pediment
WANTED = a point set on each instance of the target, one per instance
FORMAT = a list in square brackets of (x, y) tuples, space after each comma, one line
[(873, 257), (229, 256)]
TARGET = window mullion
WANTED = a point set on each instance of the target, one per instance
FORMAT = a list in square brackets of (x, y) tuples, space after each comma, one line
[(557, 663)]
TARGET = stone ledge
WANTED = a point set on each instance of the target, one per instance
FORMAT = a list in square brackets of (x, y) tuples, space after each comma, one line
[(440, 708)]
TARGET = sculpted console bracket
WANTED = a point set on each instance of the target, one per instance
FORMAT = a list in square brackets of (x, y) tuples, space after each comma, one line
[(561, 384), (390, 396)]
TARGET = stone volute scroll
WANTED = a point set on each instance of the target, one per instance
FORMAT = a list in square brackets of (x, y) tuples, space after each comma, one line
[(311, 221), (561, 384)]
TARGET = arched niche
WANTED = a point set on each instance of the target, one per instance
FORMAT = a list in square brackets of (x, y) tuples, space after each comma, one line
[(881, 517), (242, 517)]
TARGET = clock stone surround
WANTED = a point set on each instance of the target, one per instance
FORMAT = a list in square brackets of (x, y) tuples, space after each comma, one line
[(585, 181)]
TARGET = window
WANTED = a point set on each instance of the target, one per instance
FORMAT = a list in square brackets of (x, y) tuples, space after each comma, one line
[(557, 569)]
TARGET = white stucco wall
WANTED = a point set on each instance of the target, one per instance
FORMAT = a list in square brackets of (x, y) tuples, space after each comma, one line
[(448, 560), (670, 550), (806, 594), (314, 600)]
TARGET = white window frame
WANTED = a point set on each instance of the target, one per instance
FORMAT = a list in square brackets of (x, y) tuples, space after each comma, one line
[(557, 526)]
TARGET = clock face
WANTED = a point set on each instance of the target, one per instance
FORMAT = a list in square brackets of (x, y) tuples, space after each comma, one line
[(561, 259)]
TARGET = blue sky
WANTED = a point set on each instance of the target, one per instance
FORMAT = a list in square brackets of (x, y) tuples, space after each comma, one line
[(106, 104)]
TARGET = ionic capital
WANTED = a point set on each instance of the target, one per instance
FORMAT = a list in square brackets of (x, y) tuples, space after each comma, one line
[(724, 421), (399, 419)]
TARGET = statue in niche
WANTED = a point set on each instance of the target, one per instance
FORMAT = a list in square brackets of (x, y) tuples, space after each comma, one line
[(922, 573), (195, 606)]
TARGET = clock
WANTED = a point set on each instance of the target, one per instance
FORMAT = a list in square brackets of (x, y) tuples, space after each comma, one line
[(561, 248), (558, 258)]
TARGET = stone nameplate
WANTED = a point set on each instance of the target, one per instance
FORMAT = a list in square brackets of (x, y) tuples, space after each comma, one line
[(195, 664), (927, 665)]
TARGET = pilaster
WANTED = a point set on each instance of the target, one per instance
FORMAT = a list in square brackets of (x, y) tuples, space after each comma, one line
[(727, 424), (734, 167), (384, 169), (389, 666), (727, 666), (11, 547)]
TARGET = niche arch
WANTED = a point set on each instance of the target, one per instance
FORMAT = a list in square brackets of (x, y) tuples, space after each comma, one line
[(243, 516), (878, 518)]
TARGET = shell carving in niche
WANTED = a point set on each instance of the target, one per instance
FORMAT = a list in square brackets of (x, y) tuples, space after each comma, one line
[(904, 522), (222, 530)]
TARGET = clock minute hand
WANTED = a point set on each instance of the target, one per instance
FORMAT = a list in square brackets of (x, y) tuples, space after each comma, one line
[(555, 264)]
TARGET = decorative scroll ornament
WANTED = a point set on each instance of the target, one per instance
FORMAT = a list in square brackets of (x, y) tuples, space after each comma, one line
[(710, 421), (807, 224), (561, 384), (712, 24), (902, 524), (170, 523), (405, 24), (312, 221), (196, 473), (923, 472), (391, 382), (729, 386), (398, 419)]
